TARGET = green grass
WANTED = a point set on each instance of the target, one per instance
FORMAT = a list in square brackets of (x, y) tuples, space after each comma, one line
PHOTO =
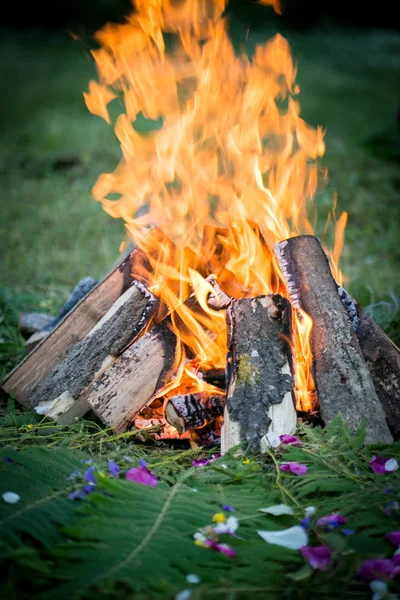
[(52, 233)]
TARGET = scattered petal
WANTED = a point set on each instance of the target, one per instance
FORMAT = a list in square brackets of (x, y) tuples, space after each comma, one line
[(224, 548), (219, 518), (294, 468), (394, 537), (229, 526), (11, 497), (305, 523), (246, 461), (319, 557), (228, 508), (8, 459), (224, 466), (290, 440), (76, 495), (127, 458), (194, 490), (87, 461), (203, 462), (348, 531), (199, 537), (183, 595), (142, 462), (88, 489), (392, 506), (191, 578), (73, 475), (278, 509), (293, 538), (113, 468), (381, 464), (376, 568), (89, 476), (332, 521), (309, 511), (379, 589), (142, 475)]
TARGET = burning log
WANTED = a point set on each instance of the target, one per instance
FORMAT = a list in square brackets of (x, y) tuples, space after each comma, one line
[(259, 397), (132, 381), (73, 328), (122, 324), (341, 377), (191, 411)]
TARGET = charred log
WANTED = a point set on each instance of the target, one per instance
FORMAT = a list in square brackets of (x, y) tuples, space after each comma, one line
[(341, 377), (259, 397), (191, 411)]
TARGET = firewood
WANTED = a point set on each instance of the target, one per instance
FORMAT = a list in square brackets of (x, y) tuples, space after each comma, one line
[(259, 397), (190, 411), (73, 328), (341, 377), (121, 325), (122, 390)]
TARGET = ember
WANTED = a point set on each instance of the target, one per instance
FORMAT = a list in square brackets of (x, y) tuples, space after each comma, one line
[(225, 306)]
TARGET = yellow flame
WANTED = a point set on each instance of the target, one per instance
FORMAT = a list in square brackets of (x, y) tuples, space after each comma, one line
[(225, 168)]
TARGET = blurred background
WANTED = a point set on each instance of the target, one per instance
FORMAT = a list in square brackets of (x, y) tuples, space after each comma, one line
[(52, 149)]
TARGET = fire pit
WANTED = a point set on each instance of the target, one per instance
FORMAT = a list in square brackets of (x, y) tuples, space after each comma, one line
[(229, 318)]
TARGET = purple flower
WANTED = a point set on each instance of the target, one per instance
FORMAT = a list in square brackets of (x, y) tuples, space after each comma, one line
[(394, 537), (8, 459), (381, 464), (305, 523), (228, 508), (376, 568), (113, 468), (88, 489), (142, 475), (87, 461), (332, 521), (319, 557), (142, 462), (294, 468), (203, 462), (75, 495), (224, 548), (73, 475), (391, 507), (89, 476), (290, 440), (348, 531)]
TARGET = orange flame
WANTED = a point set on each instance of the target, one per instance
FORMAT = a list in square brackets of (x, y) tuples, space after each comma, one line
[(224, 169)]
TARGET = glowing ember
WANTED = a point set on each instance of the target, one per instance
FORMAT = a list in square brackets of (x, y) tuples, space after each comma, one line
[(225, 169)]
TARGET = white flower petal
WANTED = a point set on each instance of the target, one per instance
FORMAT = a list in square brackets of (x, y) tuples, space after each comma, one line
[(199, 537), (391, 465), (293, 538), (278, 509), (309, 511), (11, 497), (379, 589), (191, 578), (183, 595), (194, 490), (228, 526)]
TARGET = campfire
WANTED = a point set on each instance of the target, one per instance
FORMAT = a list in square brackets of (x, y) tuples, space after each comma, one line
[(229, 319)]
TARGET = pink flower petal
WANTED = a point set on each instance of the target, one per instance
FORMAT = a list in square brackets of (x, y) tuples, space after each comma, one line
[(294, 468), (224, 548), (290, 440), (376, 568), (319, 557), (333, 520), (142, 475), (381, 464)]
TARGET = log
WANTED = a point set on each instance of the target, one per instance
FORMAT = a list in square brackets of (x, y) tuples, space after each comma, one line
[(260, 387), (30, 323), (132, 381), (73, 328), (119, 327), (343, 383), (191, 411)]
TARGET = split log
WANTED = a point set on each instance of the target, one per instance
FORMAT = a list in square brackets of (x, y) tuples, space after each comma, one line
[(132, 381), (73, 328), (191, 411), (260, 396), (120, 326), (341, 377)]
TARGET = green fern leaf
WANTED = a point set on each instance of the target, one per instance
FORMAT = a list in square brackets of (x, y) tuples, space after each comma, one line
[(39, 477)]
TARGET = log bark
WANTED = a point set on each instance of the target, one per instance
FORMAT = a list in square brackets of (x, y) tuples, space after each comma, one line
[(132, 381), (119, 327), (260, 396), (73, 328), (382, 358), (191, 411), (341, 377)]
